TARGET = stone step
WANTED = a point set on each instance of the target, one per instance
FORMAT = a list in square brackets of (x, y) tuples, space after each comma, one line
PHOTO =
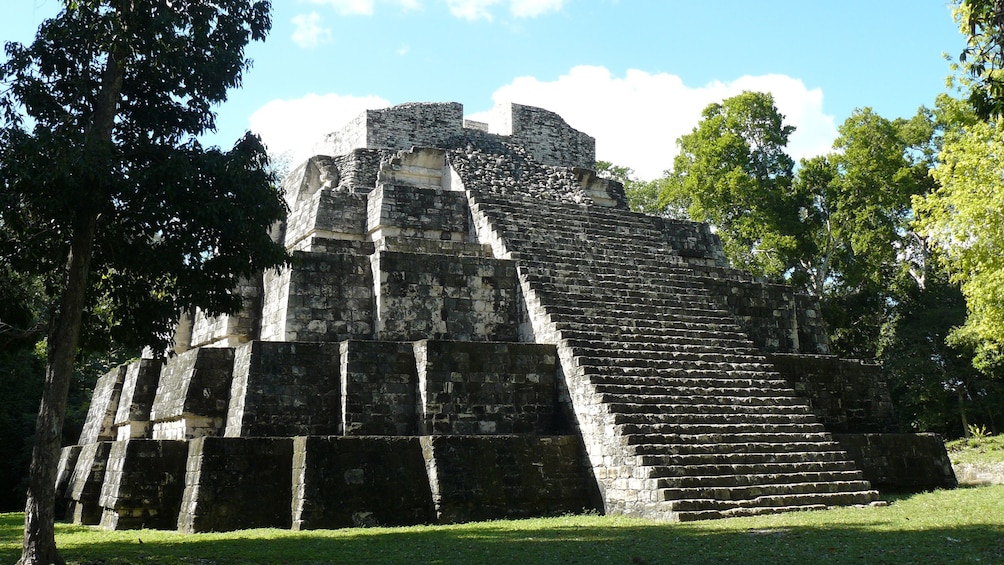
[(672, 368), (741, 511), (694, 417), (731, 457), (725, 449), (672, 359), (660, 398), (683, 341), (747, 474), (798, 494), (726, 428), (718, 436), (722, 494), (625, 299), (698, 383), (669, 350), (589, 337), (636, 412)]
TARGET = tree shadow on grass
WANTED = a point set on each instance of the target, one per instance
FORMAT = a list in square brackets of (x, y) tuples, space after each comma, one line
[(636, 544)]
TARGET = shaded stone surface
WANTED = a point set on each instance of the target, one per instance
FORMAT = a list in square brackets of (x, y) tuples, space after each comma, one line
[(847, 395), (237, 483), (285, 389), (341, 482), (380, 385), (84, 488), (901, 462), (472, 388), (489, 478), (143, 484)]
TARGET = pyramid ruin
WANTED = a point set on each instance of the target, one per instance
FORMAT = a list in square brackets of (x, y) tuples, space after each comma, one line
[(475, 326)]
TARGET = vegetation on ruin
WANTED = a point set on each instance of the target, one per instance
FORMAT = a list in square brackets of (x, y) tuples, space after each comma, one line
[(977, 449), (958, 526)]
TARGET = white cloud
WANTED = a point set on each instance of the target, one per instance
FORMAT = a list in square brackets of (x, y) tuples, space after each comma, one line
[(471, 9), (294, 126), (309, 32), (481, 9), (403, 50), (534, 8), (637, 118), (349, 7), (366, 7)]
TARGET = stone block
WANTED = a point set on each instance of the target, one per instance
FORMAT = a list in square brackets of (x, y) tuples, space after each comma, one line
[(442, 297), (285, 389), (136, 401), (847, 395), (502, 477), (341, 482), (900, 462), (85, 483), (237, 483), (104, 404), (143, 484), (64, 474), (321, 297), (194, 390), (473, 388), (379, 386)]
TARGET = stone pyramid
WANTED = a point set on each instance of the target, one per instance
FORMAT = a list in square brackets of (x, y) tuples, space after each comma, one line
[(476, 326)]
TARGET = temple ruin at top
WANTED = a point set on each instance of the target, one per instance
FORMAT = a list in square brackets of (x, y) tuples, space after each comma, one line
[(476, 326)]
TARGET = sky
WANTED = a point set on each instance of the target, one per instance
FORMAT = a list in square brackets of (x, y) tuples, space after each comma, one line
[(634, 74)]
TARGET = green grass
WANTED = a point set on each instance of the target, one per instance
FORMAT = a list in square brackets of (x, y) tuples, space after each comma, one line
[(957, 526), (989, 449)]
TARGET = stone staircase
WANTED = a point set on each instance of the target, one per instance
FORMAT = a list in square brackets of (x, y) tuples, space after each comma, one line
[(682, 416)]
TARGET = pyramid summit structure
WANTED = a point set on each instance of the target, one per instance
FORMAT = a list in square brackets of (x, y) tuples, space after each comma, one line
[(476, 326)]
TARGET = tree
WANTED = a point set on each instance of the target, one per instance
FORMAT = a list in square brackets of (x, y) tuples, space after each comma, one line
[(642, 196), (982, 21), (108, 197), (732, 171), (963, 218)]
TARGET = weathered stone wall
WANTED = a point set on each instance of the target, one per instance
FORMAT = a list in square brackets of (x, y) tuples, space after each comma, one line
[(441, 297), (237, 483), (341, 482), (776, 317), (694, 242), (132, 419), (193, 394), (487, 478), (227, 330), (143, 484), (900, 462), (84, 488), (325, 297), (847, 395), (427, 213), (104, 403), (398, 127), (546, 136), (285, 389), (64, 475), (486, 388), (379, 386), (329, 214)]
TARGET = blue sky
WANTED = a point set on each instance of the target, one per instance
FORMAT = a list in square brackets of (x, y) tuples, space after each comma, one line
[(635, 74)]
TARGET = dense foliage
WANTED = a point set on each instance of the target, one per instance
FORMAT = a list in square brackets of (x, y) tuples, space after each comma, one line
[(843, 227)]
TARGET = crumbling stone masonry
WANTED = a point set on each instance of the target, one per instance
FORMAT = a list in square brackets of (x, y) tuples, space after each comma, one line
[(475, 326)]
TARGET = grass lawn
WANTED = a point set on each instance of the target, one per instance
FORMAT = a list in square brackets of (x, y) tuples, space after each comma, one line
[(954, 526)]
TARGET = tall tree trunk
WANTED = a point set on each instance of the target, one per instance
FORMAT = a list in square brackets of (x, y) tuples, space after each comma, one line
[(39, 517), (39, 531)]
